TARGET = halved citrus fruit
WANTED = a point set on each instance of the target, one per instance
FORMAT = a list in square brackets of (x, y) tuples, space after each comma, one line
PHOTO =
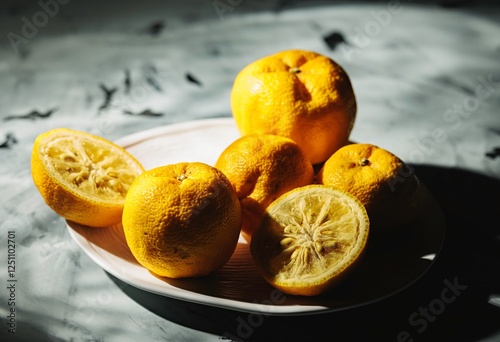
[(309, 239), (83, 177)]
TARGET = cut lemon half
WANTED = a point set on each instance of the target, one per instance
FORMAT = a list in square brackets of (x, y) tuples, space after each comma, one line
[(83, 177), (309, 239)]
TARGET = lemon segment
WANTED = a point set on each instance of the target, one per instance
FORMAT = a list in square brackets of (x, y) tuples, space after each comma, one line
[(89, 167), (309, 238), (83, 177)]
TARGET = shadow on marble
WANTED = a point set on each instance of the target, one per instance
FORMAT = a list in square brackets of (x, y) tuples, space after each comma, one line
[(451, 301)]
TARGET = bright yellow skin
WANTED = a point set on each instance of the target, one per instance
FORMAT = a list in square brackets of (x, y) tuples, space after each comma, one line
[(310, 239), (297, 94), (262, 167), (182, 220), (385, 185), (83, 177)]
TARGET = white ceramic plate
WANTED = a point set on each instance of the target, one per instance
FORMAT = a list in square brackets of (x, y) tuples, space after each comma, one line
[(386, 269)]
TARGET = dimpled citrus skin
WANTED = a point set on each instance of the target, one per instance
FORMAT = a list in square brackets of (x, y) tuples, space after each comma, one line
[(262, 167), (83, 177), (182, 220), (298, 94), (310, 239), (387, 187)]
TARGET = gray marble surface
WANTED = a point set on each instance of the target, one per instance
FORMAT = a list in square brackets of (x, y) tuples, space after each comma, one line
[(427, 80)]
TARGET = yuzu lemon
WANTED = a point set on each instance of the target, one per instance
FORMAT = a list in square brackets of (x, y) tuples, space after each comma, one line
[(182, 220), (299, 94)]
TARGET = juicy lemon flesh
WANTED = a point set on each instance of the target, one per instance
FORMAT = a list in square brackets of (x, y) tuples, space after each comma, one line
[(309, 237), (90, 167)]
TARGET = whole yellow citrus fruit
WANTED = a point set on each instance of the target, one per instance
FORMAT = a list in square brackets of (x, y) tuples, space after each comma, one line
[(387, 187), (83, 177), (262, 167), (182, 220), (310, 239), (298, 94)]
